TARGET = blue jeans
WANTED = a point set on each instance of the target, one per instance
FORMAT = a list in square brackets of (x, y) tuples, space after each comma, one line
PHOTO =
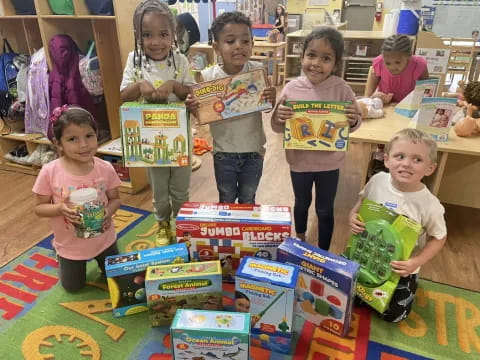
[(237, 176)]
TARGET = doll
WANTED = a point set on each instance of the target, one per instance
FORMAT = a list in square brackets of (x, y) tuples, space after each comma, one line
[(470, 124), (372, 108)]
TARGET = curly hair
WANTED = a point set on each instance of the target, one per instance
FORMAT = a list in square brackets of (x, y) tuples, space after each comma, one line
[(234, 17), (472, 93)]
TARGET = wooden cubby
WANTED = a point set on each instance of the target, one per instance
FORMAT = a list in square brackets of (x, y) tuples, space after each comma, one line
[(113, 36)]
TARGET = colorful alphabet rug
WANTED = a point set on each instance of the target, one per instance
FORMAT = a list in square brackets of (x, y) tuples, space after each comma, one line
[(39, 320)]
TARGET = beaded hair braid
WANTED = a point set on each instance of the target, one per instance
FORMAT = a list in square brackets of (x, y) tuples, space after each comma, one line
[(397, 43), (140, 60)]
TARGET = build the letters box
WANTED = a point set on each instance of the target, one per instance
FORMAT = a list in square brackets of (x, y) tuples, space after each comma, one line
[(388, 236), (326, 285), (228, 232), (155, 135), (191, 286), (317, 126), (200, 334), (126, 275), (266, 289), (231, 96)]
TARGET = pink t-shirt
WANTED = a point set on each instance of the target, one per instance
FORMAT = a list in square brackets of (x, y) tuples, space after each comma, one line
[(402, 84), (53, 180)]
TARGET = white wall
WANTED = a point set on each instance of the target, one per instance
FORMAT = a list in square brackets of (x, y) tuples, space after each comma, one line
[(455, 20)]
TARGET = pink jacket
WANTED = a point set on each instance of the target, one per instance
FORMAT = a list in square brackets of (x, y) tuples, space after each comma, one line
[(331, 89)]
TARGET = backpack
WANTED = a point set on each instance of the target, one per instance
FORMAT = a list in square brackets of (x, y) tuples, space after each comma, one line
[(8, 71), (61, 7), (64, 81), (100, 7), (24, 7), (90, 72), (37, 101)]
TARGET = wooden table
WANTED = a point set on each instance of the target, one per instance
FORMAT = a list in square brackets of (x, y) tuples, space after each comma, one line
[(456, 180), (275, 52)]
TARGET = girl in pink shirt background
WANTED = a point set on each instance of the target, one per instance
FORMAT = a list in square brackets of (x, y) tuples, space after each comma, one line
[(396, 70), (75, 137), (321, 64)]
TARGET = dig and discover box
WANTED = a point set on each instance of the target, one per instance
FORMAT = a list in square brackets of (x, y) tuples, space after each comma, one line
[(228, 232), (201, 334), (126, 275), (325, 287), (266, 289)]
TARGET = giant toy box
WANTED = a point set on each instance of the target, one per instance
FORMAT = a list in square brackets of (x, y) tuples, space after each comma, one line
[(266, 289), (326, 285), (155, 135), (126, 275), (317, 126), (200, 334), (388, 236), (229, 232), (231, 96), (191, 286)]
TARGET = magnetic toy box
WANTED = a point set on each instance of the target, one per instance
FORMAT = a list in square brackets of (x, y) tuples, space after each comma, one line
[(388, 236), (266, 289), (317, 126), (191, 286), (201, 334), (155, 135), (326, 285), (231, 96), (229, 232), (126, 275)]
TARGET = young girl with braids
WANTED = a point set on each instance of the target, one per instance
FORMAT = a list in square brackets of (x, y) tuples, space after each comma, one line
[(396, 70), (158, 73)]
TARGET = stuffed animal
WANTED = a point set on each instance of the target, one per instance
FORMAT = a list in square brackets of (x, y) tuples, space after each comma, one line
[(372, 108)]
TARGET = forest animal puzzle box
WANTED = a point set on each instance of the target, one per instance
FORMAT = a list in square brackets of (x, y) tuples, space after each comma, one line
[(191, 286), (231, 96), (266, 289), (155, 135), (200, 334), (326, 285), (228, 232), (126, 275)]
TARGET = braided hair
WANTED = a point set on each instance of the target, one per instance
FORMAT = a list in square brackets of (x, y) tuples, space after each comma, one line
[(140, 59), (397, 43)]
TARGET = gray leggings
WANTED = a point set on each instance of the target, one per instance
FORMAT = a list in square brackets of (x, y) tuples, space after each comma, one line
[(73, 273)]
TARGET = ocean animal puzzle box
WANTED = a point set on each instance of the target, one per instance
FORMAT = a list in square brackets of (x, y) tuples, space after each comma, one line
[(155, 135), (266, 289), (326, 285), (191, 286), (388, 236), (200, 334), (126, 275), (317, 125), (228, 232), (231, 96)]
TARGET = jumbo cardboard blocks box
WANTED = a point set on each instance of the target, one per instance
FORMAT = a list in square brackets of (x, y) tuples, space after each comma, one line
[(200, 334), (325, 287), (155, 135), (191, 286), (266, 289), (388, 236), (231, 96), (228, 232), (126, 275)]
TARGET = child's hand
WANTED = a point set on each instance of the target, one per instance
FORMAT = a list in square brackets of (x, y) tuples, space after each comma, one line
[(146, 90), (192, 105), (161, 94), (352, 114), (386, 98), (283, 112), (405, 268), (356, 224), (107, 220), (270, 94), (71, 215)]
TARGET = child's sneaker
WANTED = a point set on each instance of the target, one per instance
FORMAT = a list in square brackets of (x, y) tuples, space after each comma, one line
[(163, 234)]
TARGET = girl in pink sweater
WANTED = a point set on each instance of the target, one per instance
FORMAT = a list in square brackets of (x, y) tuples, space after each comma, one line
[(321, 64)]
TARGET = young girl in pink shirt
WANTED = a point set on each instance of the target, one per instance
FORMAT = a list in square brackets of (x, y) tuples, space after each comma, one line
[(321, 64), (60, 187), (396, 70)]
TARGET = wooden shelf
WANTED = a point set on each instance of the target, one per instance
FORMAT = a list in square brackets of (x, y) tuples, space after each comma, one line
[(18, 17), (78, 17)]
